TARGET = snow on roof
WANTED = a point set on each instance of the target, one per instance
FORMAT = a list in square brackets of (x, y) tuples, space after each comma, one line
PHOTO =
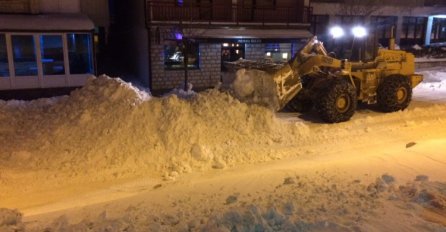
[(45, 22)]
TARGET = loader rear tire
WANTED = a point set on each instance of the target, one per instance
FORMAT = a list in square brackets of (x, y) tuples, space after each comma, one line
[(394, 93), (336, 102)]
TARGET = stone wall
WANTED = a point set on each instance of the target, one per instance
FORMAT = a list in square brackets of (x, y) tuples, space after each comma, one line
[(208, 74), (254, 51)]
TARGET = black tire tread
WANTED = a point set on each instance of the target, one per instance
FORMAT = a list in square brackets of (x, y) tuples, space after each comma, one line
[(386, 93), (325, 102)]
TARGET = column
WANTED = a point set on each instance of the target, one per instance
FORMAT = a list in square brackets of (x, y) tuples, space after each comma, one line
[(430, 21)]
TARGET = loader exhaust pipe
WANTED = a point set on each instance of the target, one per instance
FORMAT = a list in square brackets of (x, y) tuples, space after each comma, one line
[(392, 39)]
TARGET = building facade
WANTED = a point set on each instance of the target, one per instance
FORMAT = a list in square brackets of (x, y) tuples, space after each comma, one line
[(213, 32), (414, 22), (44, 44)]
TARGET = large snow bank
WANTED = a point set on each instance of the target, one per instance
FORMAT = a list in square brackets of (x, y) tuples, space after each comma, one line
[(108, 129)]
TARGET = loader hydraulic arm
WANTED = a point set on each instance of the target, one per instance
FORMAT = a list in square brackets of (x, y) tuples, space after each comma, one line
[(275, 87)]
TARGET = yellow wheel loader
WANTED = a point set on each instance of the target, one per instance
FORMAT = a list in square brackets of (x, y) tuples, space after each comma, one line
[(312, 78)]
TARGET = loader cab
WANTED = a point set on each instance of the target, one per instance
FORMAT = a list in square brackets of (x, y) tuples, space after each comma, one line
[(358, 43)]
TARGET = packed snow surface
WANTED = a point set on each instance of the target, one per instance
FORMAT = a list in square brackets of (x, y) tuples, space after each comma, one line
[(110, 157)]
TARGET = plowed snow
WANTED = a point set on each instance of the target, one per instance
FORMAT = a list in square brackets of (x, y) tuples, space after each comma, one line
[(163, 157)]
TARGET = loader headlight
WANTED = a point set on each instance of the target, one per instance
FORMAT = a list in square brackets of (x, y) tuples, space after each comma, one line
[(336, 32), (359, 31)]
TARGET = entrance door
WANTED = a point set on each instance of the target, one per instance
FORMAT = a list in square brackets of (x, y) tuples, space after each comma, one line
[(231, 52)]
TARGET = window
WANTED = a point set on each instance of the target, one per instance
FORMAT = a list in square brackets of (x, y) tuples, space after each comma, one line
[(413, 31), (24, 53), (350, 20), (438, 30), (174, 58), (319, 25), (278, 52), (231, 52), (383, 28), (52, 54), (4, 69), (80, 52)]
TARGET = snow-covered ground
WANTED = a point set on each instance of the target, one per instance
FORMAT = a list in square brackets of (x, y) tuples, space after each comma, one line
[(112, 158)]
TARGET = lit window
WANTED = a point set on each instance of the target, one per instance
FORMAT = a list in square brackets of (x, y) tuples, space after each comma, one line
[(4, 69), (52, 54), (80, 51), (24, 53), (174, 57), (285, 56), (278, 52)]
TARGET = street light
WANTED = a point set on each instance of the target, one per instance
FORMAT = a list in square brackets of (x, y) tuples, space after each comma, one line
[(336, 32), (359, 31)]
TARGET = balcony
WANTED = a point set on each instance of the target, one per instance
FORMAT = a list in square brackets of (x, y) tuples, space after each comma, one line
[(222, 15)]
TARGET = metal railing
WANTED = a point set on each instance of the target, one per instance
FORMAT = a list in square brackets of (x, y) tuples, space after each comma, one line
[(229, 13)]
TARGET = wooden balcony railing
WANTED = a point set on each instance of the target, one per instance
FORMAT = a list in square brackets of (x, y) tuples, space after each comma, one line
[(159, 12)]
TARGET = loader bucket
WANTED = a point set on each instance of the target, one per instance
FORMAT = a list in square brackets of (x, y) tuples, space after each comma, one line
[(269, 87)]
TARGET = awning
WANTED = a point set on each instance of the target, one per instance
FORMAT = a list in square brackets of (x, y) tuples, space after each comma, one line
[(46, 22), (248, 33)]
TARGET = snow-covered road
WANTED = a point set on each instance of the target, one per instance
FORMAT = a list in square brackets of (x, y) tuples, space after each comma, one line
[(376, 172)]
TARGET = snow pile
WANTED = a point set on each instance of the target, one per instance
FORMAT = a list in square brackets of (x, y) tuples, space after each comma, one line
[(316, 203), (431, 196), (10, 220), (434, 84), (109, 129), (433, 75), (417, 47), (181, 92)]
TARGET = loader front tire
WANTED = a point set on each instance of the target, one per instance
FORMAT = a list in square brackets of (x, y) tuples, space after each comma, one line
[(394, 93), (336, 102)]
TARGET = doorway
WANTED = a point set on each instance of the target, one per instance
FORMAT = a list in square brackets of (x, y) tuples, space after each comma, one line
[(231, 52)]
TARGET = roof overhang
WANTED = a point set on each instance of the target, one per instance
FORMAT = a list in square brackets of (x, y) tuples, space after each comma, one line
[(45, 22), (441, 16), (245, 33)]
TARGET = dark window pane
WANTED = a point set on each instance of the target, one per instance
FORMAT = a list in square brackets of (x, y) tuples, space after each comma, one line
[(174, 57), (24, 53), (52, 54), (80, 53), (4, 69), (320, 25), (231, 52)]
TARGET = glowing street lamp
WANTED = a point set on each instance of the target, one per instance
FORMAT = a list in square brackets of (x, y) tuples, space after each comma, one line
[(336, 32), (359, 31)]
